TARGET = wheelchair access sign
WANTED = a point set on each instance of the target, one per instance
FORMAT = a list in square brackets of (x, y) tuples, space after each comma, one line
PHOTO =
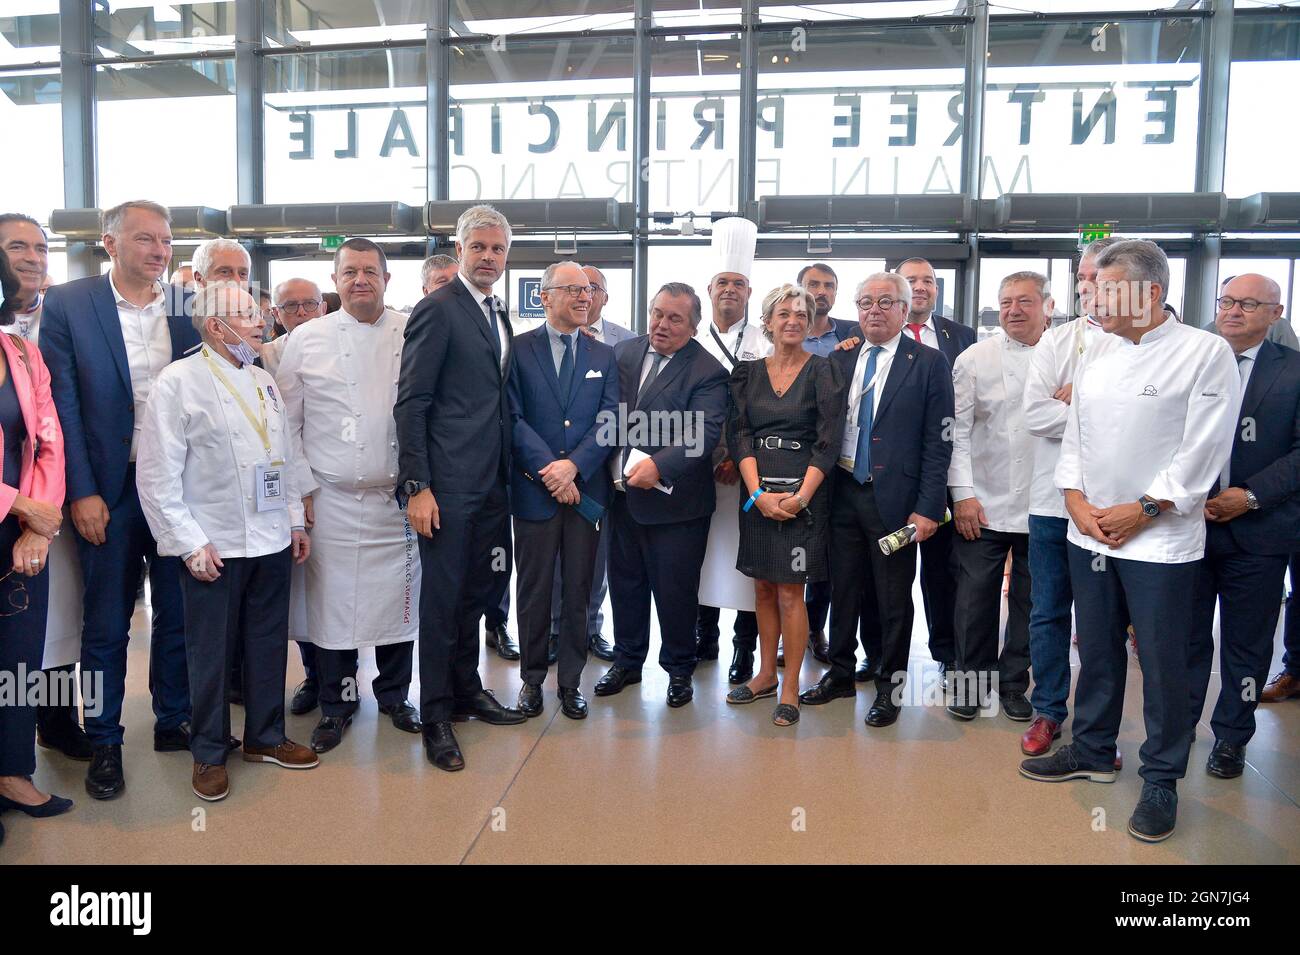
[(530, 298)]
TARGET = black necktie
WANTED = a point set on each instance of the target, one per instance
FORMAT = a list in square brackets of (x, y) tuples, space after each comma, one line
[(495, 306), (649, 379)]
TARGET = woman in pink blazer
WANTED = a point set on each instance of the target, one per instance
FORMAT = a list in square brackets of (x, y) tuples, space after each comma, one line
[(31, 498)]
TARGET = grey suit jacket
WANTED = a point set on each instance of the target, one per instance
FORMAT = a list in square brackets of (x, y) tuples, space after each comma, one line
[(615, 333)]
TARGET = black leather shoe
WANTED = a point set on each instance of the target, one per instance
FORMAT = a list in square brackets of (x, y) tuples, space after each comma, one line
[(600, 648), (104, 778), (615, 678), (499, 640), (706, 649), (1016, 707), (1226, 761), (883, 712), (485, 708), (1155, 815), (552, 649), (174, 739), (572, 703), (329, 732), (441, 747), (819, 646), (742, 667), (57, 729), (680, 691), (963, 711), (530, 700), (306, 697), (826, 689), (864, 673), (404, 716)]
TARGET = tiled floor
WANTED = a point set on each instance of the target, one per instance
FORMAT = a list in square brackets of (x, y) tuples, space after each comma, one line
[(637, 782)]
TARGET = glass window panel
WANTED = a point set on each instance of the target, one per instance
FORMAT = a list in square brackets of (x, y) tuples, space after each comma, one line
[(346, 127), (694, 123), (166, 132), (33, 176), (298, 22), (142, 27), (1279, 270), (29, 31), (1265, 64), (827, 125), (694, 13), (1013, 7), (1092, 106), (778, 12), (542, 120)]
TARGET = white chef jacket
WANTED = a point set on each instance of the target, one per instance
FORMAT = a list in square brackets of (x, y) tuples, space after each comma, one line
[(745, 340), (148, 344), (196, 471), (1051, 368), (1157, 419), (272, 353), (992, 450)]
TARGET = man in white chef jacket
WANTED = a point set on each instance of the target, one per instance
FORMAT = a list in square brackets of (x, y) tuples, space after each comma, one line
[(217, 487), (339, 378), (24, 243), (731, 338), (989, 480), (1150, 427)]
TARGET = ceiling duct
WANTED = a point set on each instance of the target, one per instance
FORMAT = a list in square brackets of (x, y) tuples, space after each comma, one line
[(923, 213), (318, 219)]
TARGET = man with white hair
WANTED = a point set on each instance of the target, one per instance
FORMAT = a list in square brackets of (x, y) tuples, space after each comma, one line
[(437, 271), (454, 433), (221, 260), (217, 487), (1150, 428)]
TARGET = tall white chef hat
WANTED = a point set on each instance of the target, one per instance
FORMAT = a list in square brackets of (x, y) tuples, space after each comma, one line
[(733, 245)]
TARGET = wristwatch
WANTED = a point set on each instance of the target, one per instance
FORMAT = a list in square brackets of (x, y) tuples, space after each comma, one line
[(1252, 502), (412, 488), (1149, 507)]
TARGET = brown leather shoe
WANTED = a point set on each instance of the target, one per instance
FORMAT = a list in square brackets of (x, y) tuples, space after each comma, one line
[(210, 782), (1119, 760), (288, 754), (1037, 740), (1284, 686)]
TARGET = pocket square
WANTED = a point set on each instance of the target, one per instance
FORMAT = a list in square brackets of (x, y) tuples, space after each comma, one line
[(593, 373)]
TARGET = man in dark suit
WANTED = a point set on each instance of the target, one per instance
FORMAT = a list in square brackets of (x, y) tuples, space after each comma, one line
[(563, 387), (453, 433), (106, 340), (673, 406), (893, 471), (938, 563), (1253, 522)]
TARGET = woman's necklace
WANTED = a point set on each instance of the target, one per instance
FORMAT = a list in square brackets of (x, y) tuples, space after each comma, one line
[(783, 378)]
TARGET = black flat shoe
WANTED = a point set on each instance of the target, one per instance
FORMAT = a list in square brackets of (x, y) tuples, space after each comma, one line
[(104, 778), (329, 732), (499, 640), (530, 700), (485, 708), (883, 712), (173, 739), (404, 716), (1226, 761), (1155, 815), (825, 690), (54, 806), (742, 667), (680, 691), (572, 703), (743, 694), (1016, 707), (615, 679), (441, 748), (864, 673), (306, 697), (706, 650), (57, 729), (600, 648), (819, 646), (785, 714)]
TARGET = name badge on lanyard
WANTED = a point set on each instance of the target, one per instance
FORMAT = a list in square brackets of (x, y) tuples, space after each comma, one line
[(268, 483), (269, 487)]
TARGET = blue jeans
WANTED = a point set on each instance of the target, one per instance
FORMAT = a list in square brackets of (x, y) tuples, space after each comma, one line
[(1049, 616)]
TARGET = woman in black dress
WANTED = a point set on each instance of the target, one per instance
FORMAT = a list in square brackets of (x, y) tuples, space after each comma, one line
[(784, 431)]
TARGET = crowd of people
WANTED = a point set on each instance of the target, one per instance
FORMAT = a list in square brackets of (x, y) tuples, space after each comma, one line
[(355, 477)]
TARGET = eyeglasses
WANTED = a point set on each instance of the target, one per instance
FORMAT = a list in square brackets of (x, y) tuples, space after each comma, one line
[(1227, 302), (311, 305), (17, 596), (574, 290), (885, 303)]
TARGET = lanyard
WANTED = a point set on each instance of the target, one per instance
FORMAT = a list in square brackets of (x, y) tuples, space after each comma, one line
[(713, 330), (258, 426)]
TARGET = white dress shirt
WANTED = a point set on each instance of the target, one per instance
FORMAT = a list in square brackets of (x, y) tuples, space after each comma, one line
[(929, 336), (1245, 365), (148, 349), (1050, 369), (1156, 419), (503, 328), (992, 450), (884, 360), (197, 470)]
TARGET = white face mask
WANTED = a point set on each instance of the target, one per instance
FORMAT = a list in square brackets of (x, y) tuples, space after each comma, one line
[(241, 351)]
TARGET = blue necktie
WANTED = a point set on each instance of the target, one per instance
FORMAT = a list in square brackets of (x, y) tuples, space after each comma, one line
[(866, 412), (566, 370)]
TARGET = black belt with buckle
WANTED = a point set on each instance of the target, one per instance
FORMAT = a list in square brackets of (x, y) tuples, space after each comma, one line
[(772, 443)]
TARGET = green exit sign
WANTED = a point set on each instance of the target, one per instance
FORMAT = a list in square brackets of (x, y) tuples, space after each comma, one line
[(1091, 233), (331, 242)]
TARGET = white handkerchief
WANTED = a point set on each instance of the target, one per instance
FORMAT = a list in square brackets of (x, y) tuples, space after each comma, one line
[(593, 373), (635, 457)]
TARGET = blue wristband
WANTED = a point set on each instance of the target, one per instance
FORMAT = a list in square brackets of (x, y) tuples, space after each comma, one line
[(752, 498)]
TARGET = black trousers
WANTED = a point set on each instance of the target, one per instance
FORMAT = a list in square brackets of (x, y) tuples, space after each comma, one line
[(744, 632), (461, 566), (569, 539), (1248, 588), (939, 592), (661, 561), (248, 604), (979, 598), (337, 673), (498, 600), (23, 609), (863, 578), (1109, 593)]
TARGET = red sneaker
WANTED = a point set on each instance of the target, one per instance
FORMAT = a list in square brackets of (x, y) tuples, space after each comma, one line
[(1038, 738)]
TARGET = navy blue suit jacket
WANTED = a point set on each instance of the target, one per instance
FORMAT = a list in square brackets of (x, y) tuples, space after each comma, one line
[(692, 390), (954, 337), (1268, 460), (843, 328), (910, 442), (81, 340), (548, 425)]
